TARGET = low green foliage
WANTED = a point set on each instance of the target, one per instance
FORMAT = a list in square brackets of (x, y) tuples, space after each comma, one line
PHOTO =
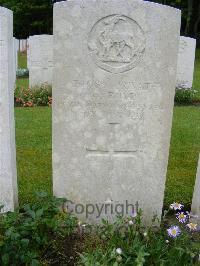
[(43, 233), (22, 82), (186, 96), (128, 242), (37, 96), (27, 233), (22, 73)]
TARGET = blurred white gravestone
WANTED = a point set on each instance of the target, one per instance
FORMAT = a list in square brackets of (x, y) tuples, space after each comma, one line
[(15, 56), (8, 176), (17, 44), (16, 51), (113, 90), (185, 65), (23, 45), (40, 59), (195, 210), (28, 53)]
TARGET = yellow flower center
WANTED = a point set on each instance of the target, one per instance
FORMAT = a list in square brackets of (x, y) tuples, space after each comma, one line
[(182, 216), (174, 232), (193, 226)]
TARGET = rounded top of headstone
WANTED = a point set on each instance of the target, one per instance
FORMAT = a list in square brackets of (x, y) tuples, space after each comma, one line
[(60, 3), (5, 11), (188, 39), (162, 6), (39, 36)]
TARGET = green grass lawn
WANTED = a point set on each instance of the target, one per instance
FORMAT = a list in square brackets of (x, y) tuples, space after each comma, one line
[(196, 81), (22, 63), (184, 152), (22, 60), (33, 141), (33, 134), (22, 82)]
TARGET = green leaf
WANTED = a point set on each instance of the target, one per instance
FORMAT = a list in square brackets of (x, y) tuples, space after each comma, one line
[(39, 213)]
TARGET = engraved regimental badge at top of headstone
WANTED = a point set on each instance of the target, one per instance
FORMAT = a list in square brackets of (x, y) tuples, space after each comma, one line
[(116, 43)]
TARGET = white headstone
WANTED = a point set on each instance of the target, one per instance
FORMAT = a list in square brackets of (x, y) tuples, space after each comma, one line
[(23, 45), (113, 90), (8, 176), (185, 65), (40, 59), (16, 51), (17, 44), (15, 61), (195, 210), (28, 53)]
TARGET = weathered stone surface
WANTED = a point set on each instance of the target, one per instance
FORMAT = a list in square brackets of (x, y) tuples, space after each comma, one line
[(185, 65), (8, 176), (113, 92), (40, 59), (195, 210)]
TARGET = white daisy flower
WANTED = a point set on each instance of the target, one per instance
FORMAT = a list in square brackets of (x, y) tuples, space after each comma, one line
[(174, 231), (192, 226), (119, 251), (182, 217), (176, 206)]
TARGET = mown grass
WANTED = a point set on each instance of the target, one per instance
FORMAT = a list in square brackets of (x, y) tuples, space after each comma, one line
[(33, 135), (22, 82), (33, 143), (22, 60), (184, 151), (22, 63), (196, 82)]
